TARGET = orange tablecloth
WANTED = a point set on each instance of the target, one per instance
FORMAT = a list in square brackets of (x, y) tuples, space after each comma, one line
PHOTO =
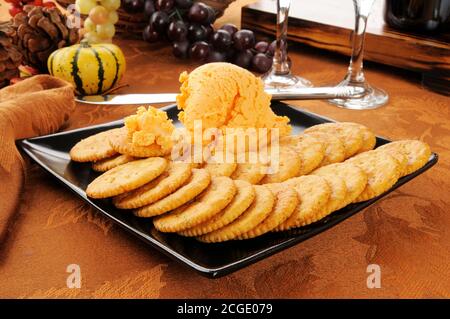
[(406, 234)]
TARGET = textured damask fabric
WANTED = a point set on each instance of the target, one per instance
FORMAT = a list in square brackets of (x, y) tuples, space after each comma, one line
[(406, 233)]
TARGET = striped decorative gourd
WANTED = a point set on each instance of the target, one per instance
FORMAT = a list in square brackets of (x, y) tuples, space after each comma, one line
[(91, 68)]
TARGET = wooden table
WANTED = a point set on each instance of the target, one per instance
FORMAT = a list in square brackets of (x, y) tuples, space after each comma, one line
[(406, 234)]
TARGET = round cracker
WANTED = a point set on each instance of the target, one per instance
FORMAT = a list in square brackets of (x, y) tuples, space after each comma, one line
[(245, 194), (121, 143), (250, 172), (285, 204), (217, 196), (417, 153), (126, 177), (334, 151), (337, 195), (369, 138), (289, 165), (309, 149), (400, 156), (351, 136), (111, 162), (382, 173), (255, 214), (220, 169), (354, 177), (198, 181), (313, 192), (94, 148), (175, 175)]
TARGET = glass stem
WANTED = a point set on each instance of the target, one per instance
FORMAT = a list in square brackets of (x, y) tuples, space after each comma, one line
[(280, 64), (355, 70)]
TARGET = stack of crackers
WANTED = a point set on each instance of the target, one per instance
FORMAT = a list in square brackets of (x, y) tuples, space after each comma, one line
[(322, 170)]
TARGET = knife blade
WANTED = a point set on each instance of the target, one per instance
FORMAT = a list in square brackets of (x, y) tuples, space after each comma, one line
[(315, 93)]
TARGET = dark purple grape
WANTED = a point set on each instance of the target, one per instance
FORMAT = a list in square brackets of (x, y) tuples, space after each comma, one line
[(184, 4), (217, 56), (196, 32), (200, 50), (159, 21), (221, 40), (165, 5), (231, 28), (177, 30), (261, 63), (181, 49), (230, 54), (209, 31), (133, 6), (150, 35), (243, 59), (211, 15), (243, 40), (198, 13), (149, 8), (261, 47), (272, 47)]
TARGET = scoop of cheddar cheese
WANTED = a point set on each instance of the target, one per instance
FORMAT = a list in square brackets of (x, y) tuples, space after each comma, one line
[(225, 95)]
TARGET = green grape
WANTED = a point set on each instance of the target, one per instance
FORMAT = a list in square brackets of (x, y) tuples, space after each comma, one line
[(92, 37), (99, 15), (111, 5), (106, 30), (89, 25), (84, 6), (113, 17)]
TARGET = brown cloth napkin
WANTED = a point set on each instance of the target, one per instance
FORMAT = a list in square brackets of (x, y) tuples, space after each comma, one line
[(35, 106)]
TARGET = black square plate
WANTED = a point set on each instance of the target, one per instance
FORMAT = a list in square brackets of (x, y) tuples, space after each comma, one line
[(51, 152)]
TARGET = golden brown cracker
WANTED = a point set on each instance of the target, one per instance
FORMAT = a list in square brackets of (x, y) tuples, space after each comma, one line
[(417, 153), (220, 169), (337, 196), (175, 175), (255, 214), (313, 192), (198, 181), (249, 171), (126, 177), (369, 138), (94, 148), (245, 194), (111, 162), (334, 148), (310, 150), (288, 165), (354, 177), (400, 156), (121, 143), (285, 204), (217, 196), (382, 172), (351, 136)]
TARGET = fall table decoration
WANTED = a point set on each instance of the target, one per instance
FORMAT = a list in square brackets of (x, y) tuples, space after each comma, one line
[(10, 57), (39, 32)]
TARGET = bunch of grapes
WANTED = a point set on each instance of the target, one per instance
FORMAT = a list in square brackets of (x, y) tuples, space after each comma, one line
[(99, 25), (188, 25), (17, 5)]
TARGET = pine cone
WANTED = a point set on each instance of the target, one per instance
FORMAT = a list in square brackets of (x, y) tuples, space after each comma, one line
[(10, 57), (40, 31)]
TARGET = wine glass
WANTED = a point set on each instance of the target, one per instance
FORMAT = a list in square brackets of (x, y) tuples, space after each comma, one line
[(373, 97), (280, 76)]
